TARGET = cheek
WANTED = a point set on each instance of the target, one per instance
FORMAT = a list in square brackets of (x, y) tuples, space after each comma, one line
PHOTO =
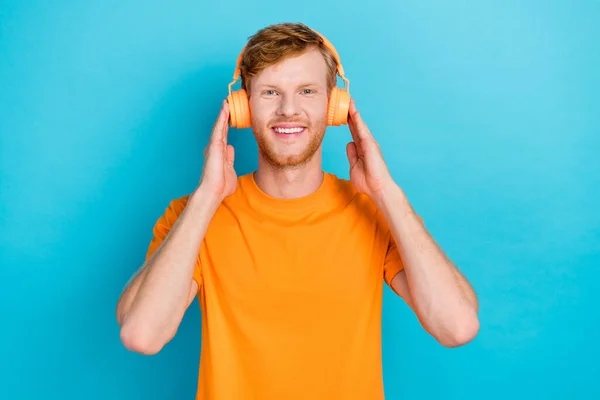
[(260, 111), (317, 111)]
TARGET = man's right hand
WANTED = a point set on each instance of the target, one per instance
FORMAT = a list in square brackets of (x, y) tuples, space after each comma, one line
[(219, 178)]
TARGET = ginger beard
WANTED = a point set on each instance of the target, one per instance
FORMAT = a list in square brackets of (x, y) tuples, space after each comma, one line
[(295, 151)]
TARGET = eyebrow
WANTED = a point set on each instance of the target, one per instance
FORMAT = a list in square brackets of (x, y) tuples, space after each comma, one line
[(268, 85)]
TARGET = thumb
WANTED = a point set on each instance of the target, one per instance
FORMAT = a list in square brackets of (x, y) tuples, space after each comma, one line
[(351, 153)]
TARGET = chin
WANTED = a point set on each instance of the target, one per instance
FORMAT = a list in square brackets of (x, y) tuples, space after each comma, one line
[(286, 160), (288, 145)]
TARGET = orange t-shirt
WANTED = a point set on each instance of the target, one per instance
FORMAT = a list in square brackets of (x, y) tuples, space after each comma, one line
[(291, 294)]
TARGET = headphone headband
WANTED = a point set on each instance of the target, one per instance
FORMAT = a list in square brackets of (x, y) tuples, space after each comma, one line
[(326, 43)]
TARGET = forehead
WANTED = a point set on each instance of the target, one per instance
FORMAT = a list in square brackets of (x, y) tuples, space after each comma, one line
[(309, 66)]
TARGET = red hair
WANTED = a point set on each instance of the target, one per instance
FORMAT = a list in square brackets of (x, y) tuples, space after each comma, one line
[(273, 43)]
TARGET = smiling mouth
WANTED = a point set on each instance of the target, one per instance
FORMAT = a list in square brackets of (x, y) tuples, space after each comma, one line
[(289, 131)]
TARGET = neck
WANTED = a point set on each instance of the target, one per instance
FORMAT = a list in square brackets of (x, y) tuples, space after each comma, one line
[(289, 182)]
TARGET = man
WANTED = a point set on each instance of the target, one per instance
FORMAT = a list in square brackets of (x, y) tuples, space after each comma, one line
[(289, 262)]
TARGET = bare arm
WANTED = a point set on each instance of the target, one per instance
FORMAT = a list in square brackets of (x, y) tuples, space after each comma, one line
[(399, 284), (443, 300), (132, 288), (152, 305)]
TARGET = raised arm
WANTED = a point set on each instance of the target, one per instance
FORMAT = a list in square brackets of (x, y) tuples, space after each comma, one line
[(443, 300), (153, 303)]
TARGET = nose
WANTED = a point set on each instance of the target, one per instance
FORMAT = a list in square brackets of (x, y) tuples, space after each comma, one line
[(288, 106)]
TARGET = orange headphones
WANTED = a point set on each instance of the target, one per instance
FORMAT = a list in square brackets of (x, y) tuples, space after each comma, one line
[(339, 99)]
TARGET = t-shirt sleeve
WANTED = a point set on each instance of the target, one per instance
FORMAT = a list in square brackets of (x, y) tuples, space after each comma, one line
[(393, 262), (163, 226)]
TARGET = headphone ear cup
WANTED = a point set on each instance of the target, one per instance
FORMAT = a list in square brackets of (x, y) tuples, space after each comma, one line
[(339, 106), (239, 109)]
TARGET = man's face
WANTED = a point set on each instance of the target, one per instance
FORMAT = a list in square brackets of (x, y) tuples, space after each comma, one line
[(288, 105)]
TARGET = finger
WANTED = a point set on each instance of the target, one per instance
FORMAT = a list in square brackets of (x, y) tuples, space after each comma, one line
[(218, 120), (361, 129), (351, 153), (226, 122), (217, 132), (353, 130), (230, 156), (352, 124)]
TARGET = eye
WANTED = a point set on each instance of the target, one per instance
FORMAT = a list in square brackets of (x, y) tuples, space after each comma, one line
[(269, 92), (308, 91)]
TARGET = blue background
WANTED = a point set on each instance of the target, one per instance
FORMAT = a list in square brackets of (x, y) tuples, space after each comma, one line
[(488, 114)]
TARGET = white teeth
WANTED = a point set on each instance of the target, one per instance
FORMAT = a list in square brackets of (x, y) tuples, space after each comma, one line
[(289, 130)]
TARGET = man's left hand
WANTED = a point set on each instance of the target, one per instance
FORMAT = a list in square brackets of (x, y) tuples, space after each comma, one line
[(368, 171)]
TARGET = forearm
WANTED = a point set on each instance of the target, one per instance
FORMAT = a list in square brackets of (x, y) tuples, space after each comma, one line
[(467, 290), (443, 300), (130, 292), (153, 305)]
